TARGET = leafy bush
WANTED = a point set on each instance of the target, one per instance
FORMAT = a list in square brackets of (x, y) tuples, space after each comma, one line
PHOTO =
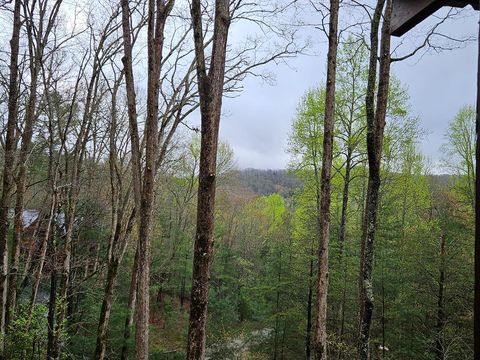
[(27, 334)]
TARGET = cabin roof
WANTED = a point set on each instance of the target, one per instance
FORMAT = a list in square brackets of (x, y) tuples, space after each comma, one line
[(409, 13), (29, 216)]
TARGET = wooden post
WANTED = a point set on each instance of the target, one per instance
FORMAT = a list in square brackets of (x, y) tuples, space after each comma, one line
[(476, 310)]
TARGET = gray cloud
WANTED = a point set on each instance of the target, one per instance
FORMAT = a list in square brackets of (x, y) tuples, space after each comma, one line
[(257, 122)]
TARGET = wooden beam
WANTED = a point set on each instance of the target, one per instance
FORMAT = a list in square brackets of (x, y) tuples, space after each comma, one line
[(409, 13), (476, 301)]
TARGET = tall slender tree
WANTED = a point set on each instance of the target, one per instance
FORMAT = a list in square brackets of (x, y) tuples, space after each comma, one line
[(122, 219), (38, 37), (320, 339), (144, 180), (476, 315), (375, 130), (210, 90), (9, 161)]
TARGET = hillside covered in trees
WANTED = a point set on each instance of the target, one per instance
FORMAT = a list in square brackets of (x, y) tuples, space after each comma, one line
[(267, 182), (127, 230)]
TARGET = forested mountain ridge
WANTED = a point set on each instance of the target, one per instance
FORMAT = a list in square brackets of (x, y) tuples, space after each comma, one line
[(286, 182), (268, 181)]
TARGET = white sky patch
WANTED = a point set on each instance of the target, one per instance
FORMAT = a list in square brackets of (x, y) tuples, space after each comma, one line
[(258, 121)]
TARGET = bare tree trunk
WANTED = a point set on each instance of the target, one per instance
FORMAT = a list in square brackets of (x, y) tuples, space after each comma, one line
[(121, 228), (136, 158), (210, 88), (158, 11), (112, 264), (370, 114), (101, 346), (20, 194), (43, 253), (320, 338), (72, 198), (48, 231), (52, 348), (376, 125), (73, 171), (476, 326), (345, 195), (132, 103), (146, 209), (9, 160), (132, 297), (311, 282), (342, 236), (119, 245), (37, 40)]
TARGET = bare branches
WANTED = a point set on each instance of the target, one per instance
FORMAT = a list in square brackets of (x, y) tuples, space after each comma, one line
[(433, 39)]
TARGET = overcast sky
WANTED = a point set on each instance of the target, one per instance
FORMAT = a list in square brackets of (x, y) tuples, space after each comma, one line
[(256, 123)]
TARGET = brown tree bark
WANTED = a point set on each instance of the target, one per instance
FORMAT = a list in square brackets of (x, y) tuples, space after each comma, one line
[(132, 297), (46, 223), (315, 155), (38, 36), (71, 207), (210, 89), (341, 239), (74, 159), (375, 126), (101, 347), (52, 347), (320, 338), (73, 168), (127, 61), (476, 311), (370, 114), (43, 252), (131, 102), (7, 181), (158, 11), (121, 227)]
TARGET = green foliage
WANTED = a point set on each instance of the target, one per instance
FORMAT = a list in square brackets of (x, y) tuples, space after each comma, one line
[(459, 152), (263, 272), (306, 136), (27, 334)]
